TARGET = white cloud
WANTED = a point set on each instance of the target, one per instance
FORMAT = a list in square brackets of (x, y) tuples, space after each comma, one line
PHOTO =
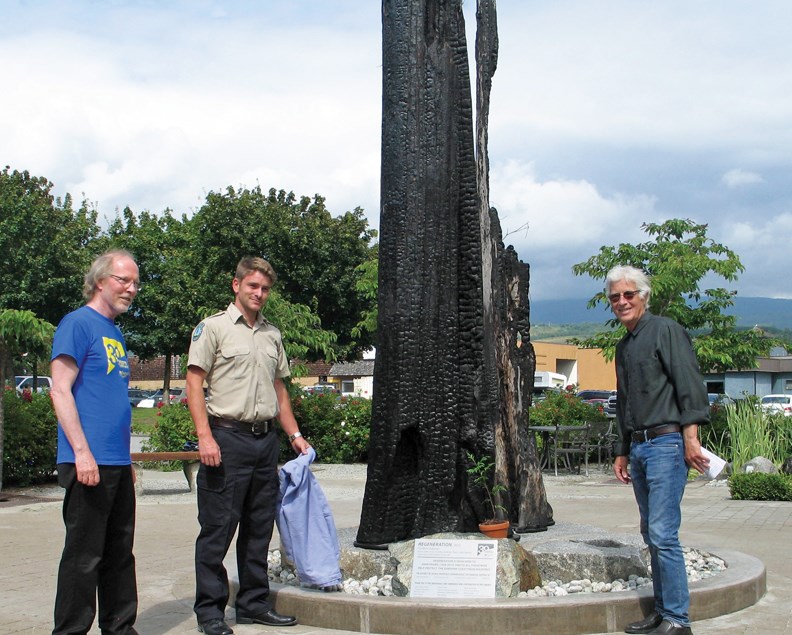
[(762, 245), (604, 115), (129, 121), (567, 222), (738, 177), (560, 212), (672, 74)]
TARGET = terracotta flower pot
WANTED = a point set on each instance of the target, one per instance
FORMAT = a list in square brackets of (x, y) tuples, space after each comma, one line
[(499, 529)]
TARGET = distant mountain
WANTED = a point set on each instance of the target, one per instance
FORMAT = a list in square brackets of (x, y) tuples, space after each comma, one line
[(749, 311)]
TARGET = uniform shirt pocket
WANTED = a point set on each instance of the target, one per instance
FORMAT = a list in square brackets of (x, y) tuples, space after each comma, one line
[(237, 358)]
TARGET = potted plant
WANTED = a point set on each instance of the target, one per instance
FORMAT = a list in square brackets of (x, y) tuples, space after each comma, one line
[(480, 471)]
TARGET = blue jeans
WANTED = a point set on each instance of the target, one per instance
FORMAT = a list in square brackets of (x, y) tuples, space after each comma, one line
[(659, 474)]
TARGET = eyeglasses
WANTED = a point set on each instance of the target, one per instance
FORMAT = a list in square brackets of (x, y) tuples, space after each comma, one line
[(126, 282), (628, 295)]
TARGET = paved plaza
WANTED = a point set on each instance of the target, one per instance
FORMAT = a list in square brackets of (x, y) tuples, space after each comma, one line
[(32, 538)]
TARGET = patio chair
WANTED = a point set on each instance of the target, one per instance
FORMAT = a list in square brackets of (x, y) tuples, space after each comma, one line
[(571, 442), (601, 438)]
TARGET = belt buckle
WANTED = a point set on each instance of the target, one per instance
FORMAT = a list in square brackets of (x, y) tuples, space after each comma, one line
[(259, 427), (645, 435)]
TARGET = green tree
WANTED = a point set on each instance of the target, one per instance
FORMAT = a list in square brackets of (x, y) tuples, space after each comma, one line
[(178, 290), (20, 331), (301, 328), (678, 258), (42, 247), (366, 286), (167, 306), (315, 254)]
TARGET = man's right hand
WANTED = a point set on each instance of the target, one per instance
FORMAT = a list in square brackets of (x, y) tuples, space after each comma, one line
[(620, 469), (87, 469), (209, 451)]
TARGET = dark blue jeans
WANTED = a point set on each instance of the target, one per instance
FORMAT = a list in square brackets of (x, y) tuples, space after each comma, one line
[(659, 474), (97, 553), (241, 492)]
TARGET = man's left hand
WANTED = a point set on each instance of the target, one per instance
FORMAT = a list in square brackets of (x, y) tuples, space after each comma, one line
[(694, 457), (300, 445)]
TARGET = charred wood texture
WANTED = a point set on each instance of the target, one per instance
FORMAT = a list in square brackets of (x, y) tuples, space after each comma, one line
[(437, 381), (518, 465)]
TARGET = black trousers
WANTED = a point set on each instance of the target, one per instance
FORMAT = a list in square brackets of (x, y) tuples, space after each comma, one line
[(97, 553), (239, 493)]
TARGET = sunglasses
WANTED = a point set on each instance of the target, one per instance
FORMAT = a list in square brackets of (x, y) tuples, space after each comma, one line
[(628, 295)]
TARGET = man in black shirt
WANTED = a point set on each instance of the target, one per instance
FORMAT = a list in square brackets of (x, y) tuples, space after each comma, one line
[(661, 400)]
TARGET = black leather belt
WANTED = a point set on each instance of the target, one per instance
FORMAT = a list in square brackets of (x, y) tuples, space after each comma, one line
[(639, 436), (256, 428)]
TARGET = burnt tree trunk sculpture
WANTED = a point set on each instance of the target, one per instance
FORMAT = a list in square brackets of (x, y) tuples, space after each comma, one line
[(437, 380), (506, 317)]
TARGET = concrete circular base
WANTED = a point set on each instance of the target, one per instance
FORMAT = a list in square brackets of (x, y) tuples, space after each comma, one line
[(741, 585)]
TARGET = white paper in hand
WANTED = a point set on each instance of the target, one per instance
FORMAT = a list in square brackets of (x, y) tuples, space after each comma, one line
[(716, 464)]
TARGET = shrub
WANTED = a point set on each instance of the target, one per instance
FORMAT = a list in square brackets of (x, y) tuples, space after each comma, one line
[(761, 487), (564, 408), (31, 438), (337, 428), (173, 429)]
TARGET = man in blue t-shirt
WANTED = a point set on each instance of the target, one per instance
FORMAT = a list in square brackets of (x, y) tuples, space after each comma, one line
[(90, 377)]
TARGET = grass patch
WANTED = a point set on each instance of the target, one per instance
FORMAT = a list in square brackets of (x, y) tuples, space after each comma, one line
[(144, 420)]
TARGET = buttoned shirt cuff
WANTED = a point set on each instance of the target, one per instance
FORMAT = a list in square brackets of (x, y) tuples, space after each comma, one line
[(694, 416)]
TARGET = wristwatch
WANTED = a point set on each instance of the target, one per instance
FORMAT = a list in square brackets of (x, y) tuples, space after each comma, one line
[(292, 437)]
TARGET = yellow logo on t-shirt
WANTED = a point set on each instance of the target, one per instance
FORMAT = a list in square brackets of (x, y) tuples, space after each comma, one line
[(115, 353)]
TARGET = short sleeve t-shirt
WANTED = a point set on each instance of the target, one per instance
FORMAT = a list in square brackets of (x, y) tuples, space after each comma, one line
[(241, 364), (96, 344)]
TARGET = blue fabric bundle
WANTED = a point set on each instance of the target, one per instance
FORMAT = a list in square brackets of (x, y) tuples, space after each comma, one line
[(306, 525)]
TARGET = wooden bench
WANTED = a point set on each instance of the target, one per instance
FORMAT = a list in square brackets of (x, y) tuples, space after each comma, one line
[(191, 464)]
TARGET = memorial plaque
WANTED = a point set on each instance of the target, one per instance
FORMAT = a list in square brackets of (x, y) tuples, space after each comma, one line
[(454, 568)]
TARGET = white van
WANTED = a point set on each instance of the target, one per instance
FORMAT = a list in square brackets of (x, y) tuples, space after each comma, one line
[(547, 379), (25, 382)]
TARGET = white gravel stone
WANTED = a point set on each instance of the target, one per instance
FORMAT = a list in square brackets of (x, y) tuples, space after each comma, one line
[(697, 564)]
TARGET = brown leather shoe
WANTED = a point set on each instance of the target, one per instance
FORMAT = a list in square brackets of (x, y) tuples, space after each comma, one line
[(646, 625)]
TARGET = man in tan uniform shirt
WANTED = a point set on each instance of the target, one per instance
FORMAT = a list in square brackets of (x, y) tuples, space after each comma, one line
[(240, 356)]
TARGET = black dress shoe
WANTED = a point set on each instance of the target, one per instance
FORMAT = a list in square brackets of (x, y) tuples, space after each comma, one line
[(215, 627), (669, 628), (270, 618), (646, 625)]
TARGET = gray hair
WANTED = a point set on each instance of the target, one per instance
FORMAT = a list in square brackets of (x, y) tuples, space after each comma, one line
[(630, 274), (101, 268)]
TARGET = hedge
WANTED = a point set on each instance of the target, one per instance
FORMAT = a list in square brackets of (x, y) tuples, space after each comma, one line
[(30, 438), (759, 486)]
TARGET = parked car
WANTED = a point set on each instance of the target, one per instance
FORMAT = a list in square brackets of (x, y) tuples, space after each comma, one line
[(777, 404), (321, 389), (136, 395), (176, 395), (151, 401), (719, 399), (540, 393), (25, 382), (610, 407), (595, 397)]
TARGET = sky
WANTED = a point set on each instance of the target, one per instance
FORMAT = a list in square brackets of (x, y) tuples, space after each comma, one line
[(604, 115)]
